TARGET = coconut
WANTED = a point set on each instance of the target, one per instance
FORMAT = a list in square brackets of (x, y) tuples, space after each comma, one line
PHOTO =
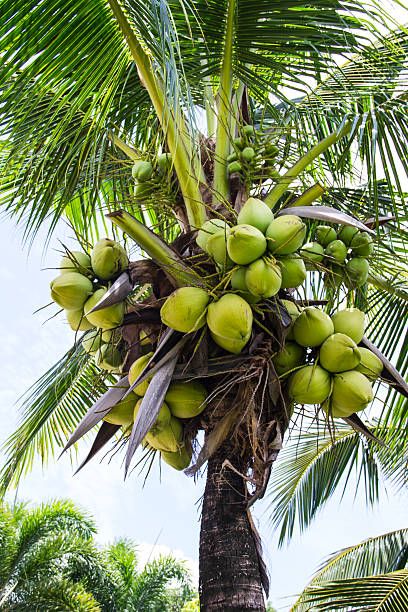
[(142, 191), (111, 335), (263, 278), (135, 370), (312, 252), (357, 271), (347, 234), (312, 327), (122, 412), (217, 249), (293, 311), (245, 244), (256, 213), (333, 276), (142, 171), (291, 356), (106, 318), (108, 258), (76, 261), (108, 358), (309, 385), (180, 460), (163, 418), (293, 271), (209, 228), (186, 399), (92, 341), (339, 353), (184, 310), (325, 234), (168, 438), (352, 392), (362, 245), (71, 290), (285, 234), (336, 251), (77, 320), (238, 279), (350, 321), (370, 365), (164, 162), (230, 322)]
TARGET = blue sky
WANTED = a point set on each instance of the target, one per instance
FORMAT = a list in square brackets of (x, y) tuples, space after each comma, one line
[(166, 511)]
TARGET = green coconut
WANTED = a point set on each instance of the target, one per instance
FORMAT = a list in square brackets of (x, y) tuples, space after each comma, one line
[(122, 412), (234, 166), (239, 142), (180, 460), (325, 234), (164, 162), (245, 244), (293, 271), (357, 270), (291, 356), (352, 392), (309, 385), (336, 251), (106, 318), (248, 154), (109, 259), (76, 261), (217, 248), (347, 234), (209, 228), (339, 353), (168, 438), (285, 234), (111, 335), (135, 370), (350, 321), (230, 322), (71, 290), (370, 365), (238, 279), (108, 358), (77, 320), (312, 252), (312, 327), (142, 171), (142, 191), (294, 311), (256, 213), (186, 399), (263, 278), (333, 276), (362, 245), (163, 419), (92, 341), (185, 309)]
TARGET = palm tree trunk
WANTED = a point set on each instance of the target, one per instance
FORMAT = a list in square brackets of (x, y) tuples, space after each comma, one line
[(230, 576)]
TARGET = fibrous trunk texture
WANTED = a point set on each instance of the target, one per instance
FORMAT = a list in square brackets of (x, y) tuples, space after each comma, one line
[(230, 576)]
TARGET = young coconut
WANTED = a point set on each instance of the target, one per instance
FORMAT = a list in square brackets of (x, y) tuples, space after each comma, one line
[(312, 327), (217, 249), (285, 234), (77, 320), (362, 245), (135, 370), (180, 460), (185, 309), (122, 412), (76, 261), (106, 318), (92, 342), (109, 358), (238, 282), (352, 392), (71, 290), (309, 385), (336, 251), (347, 234), (186, 399), (108, 259), (163, 418), (325, 234), (213, 226), (256, 213), (142, 170), (370, 365), (357, 271), (230, 322), (293, 311), (312, 252), (350, 321), (293, 271), (166, 438), (245, 244), (291, 356), (339, 353), (164, 162), (263, 278)]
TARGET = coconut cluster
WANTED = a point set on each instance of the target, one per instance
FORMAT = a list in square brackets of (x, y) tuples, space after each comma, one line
[(148, 173), (323, 363), (183, 401), (252, 154), (344, 253), (81, 284)]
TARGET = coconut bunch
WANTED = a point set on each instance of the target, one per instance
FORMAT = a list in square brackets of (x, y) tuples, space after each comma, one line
[(182, 402), (252, 154), (344, 253), (81, 284), (148, 174), (324, 364)]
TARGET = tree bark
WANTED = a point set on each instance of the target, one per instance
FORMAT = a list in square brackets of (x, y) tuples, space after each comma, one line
[(230, 577)]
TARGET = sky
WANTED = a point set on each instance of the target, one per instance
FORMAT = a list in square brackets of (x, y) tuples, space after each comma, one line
[(162, 515)]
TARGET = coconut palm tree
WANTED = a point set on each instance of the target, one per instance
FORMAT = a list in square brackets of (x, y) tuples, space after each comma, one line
[(317, 93)]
